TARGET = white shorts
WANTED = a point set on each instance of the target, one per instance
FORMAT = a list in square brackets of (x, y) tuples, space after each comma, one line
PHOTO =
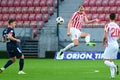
[(75, 33), (111, 51)]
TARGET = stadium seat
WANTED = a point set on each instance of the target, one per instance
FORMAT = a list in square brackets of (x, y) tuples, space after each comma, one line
[(30, 3), (105, 3), (117, 3), (37, 10), (32, 17), (1, 10), (118, 17), (101, 17), (5, 10), (94, 16), (103, 23), (10, 3), (36, 3), (87, 9), (38, 17), (93, 10), (5, 17), (40, 24), (106, 9), (55, 3), (100, 10), (19, 23), (19, 17), (4, 3), (51, 11), (107, 17), (12, 16), (23, 3), (118, 10), (43, 3), (24, 9), (44, 10), (33, 23), (5, 23), (11, 10), (18, 10), (1, 24), (98, 3), (89, 16), (31, 10), (92, 2), (112, 2), (26, 23), (86, 3), (35, 32), (1, 17), (25, 17), (16, 3), (45, 17), (49, 3), (113, 9)]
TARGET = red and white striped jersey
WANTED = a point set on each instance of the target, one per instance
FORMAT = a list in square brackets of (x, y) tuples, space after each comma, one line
[(78, 20)]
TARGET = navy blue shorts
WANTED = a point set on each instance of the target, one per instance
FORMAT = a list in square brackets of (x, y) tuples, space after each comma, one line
[(13, 50)]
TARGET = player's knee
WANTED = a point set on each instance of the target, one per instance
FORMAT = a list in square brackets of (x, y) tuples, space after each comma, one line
[(76, 44), (88, 34), (13, 60), (22, 56)]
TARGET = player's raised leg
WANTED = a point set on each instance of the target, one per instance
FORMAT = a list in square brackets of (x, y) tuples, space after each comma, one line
[(87, 39), (69, 46)]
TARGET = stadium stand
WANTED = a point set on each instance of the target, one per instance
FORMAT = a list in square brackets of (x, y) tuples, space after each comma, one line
[(102, 8), (27, 11)]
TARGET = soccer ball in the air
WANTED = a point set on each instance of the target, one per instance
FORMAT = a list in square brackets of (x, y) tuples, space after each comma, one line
[(59, 20)]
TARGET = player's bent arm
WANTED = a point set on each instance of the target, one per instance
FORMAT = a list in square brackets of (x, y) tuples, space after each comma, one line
[(104, 38), (119, 37), (3, 39), (89, 21), (69, 26), (12, 38)]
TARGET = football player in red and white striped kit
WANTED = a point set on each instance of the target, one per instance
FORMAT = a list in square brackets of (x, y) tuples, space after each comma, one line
[(74, 29)]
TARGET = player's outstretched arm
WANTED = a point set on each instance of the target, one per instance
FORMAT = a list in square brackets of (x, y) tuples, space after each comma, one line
[(90, 21)]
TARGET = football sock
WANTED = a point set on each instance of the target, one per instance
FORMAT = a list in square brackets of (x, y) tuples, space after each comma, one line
[(8, 63), (87, 39), (68, 47), (112, 71), (21, 64), (110, 64)]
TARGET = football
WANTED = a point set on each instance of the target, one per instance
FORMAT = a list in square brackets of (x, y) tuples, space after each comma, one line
[(59, 20)]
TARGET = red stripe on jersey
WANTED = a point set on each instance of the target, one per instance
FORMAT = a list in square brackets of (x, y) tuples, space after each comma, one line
[(78, 20)]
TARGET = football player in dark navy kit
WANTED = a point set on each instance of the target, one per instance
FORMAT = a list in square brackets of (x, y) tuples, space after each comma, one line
[(13, 50)]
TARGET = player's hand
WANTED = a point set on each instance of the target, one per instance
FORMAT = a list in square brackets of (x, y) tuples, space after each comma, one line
[(97, 20), (18, 40), (104, 43), (68, 34)]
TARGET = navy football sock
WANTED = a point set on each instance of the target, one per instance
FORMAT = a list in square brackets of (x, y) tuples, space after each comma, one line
[(8, 63), (21, 64)]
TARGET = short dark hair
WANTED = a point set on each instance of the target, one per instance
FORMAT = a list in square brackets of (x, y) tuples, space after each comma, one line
[(112, 16), (11, 21)]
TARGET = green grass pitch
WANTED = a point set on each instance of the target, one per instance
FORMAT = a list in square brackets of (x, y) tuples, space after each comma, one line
[(50, 69)]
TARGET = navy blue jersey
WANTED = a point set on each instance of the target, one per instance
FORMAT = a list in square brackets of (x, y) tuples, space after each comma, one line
[(7, 31)]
